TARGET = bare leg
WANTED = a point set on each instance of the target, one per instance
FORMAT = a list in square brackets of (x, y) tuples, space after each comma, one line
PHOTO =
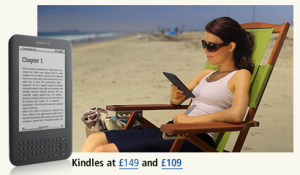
[(93, 141), (107, 148)]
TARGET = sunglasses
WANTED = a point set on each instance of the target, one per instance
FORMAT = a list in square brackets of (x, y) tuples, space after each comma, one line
[(211, 47)]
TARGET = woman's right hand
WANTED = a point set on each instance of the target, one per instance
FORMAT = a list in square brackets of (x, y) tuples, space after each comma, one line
[(177, 93)]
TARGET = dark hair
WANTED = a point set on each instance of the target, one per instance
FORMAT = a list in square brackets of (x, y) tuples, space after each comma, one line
[(230, 31)]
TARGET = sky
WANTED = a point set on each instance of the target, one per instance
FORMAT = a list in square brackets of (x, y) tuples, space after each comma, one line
[(149, 18)]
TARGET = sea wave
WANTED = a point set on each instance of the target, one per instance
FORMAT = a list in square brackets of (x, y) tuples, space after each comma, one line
[(79, 37)]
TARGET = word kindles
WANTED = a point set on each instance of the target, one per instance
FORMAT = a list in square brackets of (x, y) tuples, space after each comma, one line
[(87, 163)]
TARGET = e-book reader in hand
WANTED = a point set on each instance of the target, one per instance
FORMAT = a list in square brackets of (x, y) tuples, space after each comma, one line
[(40, 99), (176, 81)]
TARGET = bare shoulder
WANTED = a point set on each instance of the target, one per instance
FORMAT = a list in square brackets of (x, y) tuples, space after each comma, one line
[(207, 71), (195, 81), (242, 79), (203, 73), (243, 74)]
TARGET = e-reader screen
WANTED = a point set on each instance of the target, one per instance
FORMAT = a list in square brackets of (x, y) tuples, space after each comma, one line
[(41, 88)]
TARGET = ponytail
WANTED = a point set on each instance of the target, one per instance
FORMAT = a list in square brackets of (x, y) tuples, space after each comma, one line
[(244, 51)]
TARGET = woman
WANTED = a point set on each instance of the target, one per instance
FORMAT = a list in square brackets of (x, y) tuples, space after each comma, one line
[(221, 96)]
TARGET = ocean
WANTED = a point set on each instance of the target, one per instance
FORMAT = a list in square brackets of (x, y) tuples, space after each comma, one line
[(76, 37)]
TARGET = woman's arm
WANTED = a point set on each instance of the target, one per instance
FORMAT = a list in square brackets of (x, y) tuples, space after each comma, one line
[(177, 97), (235, 113)]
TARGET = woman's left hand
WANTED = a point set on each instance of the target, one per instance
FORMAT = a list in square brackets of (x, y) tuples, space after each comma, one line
[(182, 118)]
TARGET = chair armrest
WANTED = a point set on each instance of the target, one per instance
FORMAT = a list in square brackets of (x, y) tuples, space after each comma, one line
[(144, 107), (206, 127)]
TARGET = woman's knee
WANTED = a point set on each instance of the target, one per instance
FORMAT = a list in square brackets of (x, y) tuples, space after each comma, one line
[(106, 148), (100, 149), (99, 136), (94, 140)]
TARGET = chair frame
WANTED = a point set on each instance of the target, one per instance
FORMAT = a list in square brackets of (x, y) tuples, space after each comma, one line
[(187, 131)]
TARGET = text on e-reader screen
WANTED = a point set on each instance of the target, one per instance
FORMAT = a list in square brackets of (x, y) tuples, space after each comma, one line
[(42, 87)]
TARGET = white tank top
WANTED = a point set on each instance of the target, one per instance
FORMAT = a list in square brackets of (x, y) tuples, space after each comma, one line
[(211, 97)]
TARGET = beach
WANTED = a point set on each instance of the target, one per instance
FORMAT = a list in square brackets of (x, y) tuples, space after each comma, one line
[(129, 71)]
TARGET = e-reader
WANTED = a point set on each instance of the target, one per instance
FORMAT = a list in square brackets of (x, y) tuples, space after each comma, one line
[(40, 99), (176, 81)]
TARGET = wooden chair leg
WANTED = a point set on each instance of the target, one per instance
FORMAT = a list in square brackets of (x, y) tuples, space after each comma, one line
[(146, 123), (199, 143), (177, 145), (136, 115), (240, 140), (243, 134), (131, 120)]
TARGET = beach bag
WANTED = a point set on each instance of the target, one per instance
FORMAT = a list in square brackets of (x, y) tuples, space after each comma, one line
[(97, 119), (94, 119)]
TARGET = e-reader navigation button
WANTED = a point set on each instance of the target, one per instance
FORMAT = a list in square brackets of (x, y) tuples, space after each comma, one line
[(63, 146), (63, 139), (38, 157), (63, 154), (55, 155)]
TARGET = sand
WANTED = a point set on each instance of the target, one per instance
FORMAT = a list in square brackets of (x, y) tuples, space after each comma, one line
[(129, 71)]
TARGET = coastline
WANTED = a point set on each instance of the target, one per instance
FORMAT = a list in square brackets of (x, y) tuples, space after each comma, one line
[(100, 39)]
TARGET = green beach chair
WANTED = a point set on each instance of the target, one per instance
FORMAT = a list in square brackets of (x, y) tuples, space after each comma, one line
[(259, 80)]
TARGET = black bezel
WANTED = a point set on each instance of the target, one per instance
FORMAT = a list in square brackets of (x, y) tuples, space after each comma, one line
[(14, 135), (177, 82)]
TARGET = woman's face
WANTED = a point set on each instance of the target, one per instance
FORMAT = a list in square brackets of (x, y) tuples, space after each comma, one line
[(221, 55)]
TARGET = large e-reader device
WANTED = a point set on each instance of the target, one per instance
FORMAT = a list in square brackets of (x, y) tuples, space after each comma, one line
[(176, 81), (40, 99)]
